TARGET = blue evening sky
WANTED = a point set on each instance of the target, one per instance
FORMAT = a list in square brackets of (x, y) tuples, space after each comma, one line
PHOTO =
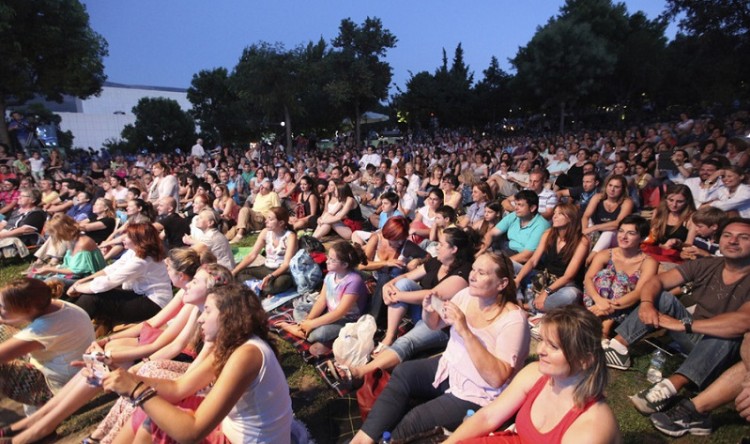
[(165, 42)]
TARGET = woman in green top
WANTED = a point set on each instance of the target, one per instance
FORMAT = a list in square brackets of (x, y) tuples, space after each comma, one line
[(81, 259)]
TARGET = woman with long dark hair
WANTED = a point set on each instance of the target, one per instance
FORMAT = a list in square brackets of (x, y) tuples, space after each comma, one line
[(249, 397), (556, 266)]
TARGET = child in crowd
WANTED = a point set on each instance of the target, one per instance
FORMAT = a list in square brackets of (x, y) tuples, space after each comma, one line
[(388, 208), (342, 299), (701, 239)]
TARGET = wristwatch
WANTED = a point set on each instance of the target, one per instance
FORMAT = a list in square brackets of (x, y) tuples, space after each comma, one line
[(549, 291), (687, 321)]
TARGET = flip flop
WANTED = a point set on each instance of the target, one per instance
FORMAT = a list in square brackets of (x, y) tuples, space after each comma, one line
[(332, 370), (347, 376)]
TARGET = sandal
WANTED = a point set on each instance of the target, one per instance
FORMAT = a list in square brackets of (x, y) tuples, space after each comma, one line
[(90, 440), (332, 369), (347, 374)]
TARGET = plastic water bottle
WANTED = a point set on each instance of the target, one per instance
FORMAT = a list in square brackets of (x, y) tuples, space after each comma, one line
[(386, 439), (658, 358), (469, 414)]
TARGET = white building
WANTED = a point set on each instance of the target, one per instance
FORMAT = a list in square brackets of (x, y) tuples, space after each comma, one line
[(98, 118)]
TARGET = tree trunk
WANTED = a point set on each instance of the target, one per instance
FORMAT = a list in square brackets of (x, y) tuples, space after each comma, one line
[(562, 117), (4, 135), (357, 117), (288, 127)]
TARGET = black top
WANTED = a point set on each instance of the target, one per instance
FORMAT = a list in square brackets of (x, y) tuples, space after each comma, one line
[(101, 235), (601, 215), (175, 227), (432, 266)]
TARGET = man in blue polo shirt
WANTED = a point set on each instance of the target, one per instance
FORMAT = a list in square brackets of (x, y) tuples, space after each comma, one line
[(524, 228)]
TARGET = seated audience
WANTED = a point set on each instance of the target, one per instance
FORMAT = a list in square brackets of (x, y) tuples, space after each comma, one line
[(342, 213), (489, 341), (133, 288), (524, 228), (208, 234), (710, 335), (307, 207), (52, 333), (249, 396), (702, 229), (280, 244), (556, 267), (101, 225), (616, 275), (669, 225), (558, 399), (342, 299), (604, 213), (82, 257)]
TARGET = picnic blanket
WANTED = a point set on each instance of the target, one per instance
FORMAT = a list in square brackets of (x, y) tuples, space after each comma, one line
[(284, 314)]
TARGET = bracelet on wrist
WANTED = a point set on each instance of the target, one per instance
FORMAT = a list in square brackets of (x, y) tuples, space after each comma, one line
[(132, 393), (145, 395)]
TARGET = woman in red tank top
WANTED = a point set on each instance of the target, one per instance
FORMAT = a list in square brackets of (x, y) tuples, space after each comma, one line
[(560, 398)]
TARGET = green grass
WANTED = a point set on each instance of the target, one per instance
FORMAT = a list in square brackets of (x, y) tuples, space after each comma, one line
[(324, 412)]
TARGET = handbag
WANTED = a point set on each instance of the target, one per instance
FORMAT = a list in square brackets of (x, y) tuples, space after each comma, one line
[(372, 385)]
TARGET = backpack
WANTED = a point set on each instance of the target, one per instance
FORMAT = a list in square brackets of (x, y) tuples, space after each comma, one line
[(306, 273)]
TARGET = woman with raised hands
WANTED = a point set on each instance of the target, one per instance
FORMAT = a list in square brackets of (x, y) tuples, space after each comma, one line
[(489, 341), (560, 398)]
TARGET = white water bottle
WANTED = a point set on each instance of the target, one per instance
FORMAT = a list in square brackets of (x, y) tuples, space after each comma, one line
[(658, 358)]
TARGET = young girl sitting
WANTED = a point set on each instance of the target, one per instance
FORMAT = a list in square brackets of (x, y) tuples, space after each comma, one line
[(342, 299)]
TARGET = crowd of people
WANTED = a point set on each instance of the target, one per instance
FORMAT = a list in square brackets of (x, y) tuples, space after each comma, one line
[(587, 241)]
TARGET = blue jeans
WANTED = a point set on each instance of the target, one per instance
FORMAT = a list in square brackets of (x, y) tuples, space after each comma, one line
[(419, 339), (708, 356), (324, 333), (413, 310), (413, 379)]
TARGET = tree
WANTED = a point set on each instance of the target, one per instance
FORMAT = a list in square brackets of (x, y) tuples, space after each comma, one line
[(563, 63), (362, 78), (716, 43), (161, 125), (269, 77), (492, 93), (47, 49)]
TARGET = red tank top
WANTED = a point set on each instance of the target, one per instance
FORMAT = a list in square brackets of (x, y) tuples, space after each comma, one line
[(526, 429)]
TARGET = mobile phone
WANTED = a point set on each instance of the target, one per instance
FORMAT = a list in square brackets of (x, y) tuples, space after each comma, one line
[(438, 305), (98, 368)]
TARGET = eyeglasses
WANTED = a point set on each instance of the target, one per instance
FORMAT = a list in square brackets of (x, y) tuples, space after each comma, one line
[(24, 195)]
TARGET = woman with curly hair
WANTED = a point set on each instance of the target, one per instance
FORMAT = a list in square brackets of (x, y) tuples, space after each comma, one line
[(249, 399)]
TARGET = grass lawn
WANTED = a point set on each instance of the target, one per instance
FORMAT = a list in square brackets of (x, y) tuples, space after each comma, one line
[(328, 416)]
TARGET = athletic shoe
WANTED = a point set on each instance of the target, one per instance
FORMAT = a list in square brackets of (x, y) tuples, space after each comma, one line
[(653, 399), (682, 419), (615, 359)]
